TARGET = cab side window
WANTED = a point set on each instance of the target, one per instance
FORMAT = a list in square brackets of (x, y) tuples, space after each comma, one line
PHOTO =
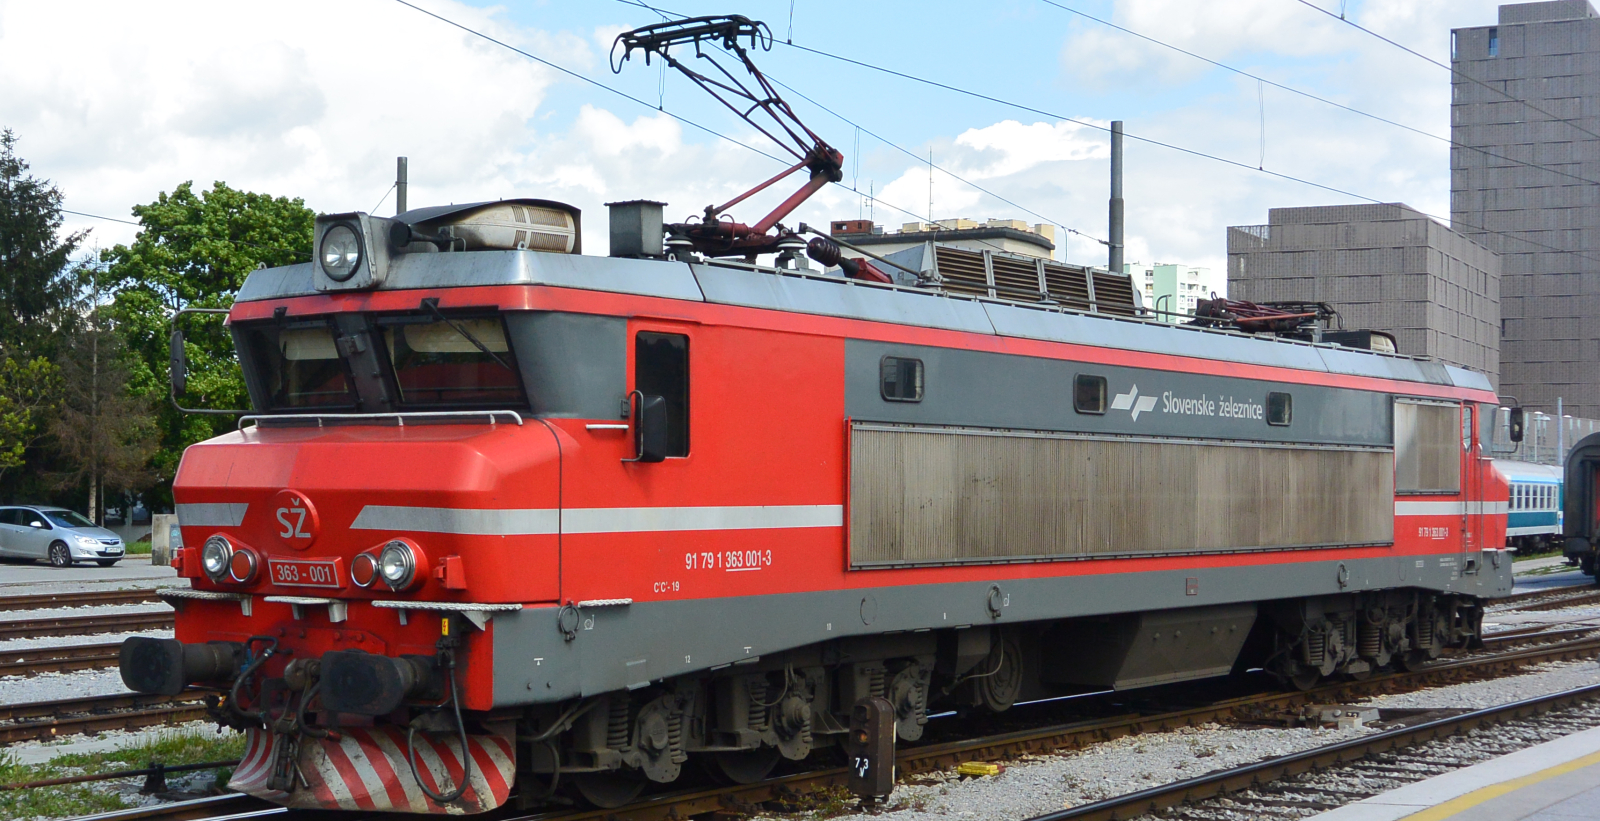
[(661, 368)]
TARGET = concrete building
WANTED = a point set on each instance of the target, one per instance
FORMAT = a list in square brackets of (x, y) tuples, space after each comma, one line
[(1010, 236), (1382, 267), (1530, 176), (1175, 288)]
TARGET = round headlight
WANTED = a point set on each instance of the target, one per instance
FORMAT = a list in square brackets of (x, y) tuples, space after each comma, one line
[(341, 252), (242, 567), (364, 570), (397, 565), (215, 557)]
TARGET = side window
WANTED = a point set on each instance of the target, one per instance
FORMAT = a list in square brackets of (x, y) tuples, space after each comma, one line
[(900, 379), (1280, 408), (661, 368), (1089, 393), (8, 516)]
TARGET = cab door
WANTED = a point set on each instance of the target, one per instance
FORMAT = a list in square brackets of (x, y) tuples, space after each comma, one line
[(1471, 492)]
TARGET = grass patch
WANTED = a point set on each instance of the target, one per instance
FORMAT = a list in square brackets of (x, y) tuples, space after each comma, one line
[(173, 747), (139, 548)]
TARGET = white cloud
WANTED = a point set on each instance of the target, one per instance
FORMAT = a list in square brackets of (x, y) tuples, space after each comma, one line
[(300, 98)]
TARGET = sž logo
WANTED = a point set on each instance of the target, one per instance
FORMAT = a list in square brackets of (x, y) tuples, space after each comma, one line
[(1132, 401), (295, 519)]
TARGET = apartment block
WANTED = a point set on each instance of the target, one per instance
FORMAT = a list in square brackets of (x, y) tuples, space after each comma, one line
[(1525, 183), (1383, 267)]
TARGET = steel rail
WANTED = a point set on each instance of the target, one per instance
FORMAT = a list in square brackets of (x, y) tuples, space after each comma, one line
[(1236, 779), (85, 625), (1076, 735), (230, 806), (40, 720), (79, 598), (1538, 594), (59, 659), (1043, 740)]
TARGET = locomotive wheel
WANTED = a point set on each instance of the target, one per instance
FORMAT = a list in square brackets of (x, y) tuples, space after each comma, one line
[(743, 766), (1412, 660), (1305, 678), (608, 790), (1002, 681)]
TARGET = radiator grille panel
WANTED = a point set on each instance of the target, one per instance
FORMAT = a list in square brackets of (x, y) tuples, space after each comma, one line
[(1017, 278), (936, 495)]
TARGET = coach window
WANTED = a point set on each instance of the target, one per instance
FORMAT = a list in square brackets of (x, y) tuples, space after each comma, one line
[(1427, 447), (1280, 408), (1089, 394), (661, 368), (900, 379)]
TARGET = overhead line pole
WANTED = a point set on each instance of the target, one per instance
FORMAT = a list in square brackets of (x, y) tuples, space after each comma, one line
[(1114, 245)]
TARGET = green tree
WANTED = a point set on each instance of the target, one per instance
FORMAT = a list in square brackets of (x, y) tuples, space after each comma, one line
[(28, 391), (36, 290), (194, 251), (105, 435)]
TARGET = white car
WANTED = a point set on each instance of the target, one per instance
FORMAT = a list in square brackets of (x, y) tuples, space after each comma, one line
[(61, 536)]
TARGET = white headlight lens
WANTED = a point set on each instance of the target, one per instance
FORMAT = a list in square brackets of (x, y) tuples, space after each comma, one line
[(396, 564), (88, 541), (341, 252), (214, 557)]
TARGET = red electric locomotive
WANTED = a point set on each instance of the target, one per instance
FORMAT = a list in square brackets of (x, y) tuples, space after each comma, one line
[(508, 518)]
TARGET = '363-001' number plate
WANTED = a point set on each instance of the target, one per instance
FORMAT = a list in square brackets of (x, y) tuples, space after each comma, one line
[(306, 572)]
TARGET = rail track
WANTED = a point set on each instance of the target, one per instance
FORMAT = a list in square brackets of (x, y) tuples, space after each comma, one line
[(81, 598), (60, 659), (84, 625), (927, 758), (1251, 777), (39, 720)]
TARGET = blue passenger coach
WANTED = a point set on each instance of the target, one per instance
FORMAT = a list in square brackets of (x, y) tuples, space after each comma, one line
[(1533, 515)]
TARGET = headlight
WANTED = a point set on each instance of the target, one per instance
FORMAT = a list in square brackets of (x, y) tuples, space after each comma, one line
[(341, 252), (397, 565), (215, 557), (88, 541)]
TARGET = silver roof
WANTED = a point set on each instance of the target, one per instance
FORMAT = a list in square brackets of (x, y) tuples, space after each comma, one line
[(810, 292)]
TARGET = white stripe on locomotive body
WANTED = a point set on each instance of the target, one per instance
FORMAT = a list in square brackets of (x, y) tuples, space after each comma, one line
[(212, 514), (597, 520), (460, 521), (355, 750), (1450, 508), (395, 754)]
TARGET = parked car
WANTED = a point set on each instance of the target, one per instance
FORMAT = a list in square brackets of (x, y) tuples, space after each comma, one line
[(114, 517), (60, 536)]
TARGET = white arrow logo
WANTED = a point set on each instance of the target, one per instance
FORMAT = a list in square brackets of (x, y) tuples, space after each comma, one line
[(1132, 400)]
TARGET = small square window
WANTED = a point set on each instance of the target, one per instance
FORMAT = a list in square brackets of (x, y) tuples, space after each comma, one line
[(1280, 408), (900, 379), (1089, 394)]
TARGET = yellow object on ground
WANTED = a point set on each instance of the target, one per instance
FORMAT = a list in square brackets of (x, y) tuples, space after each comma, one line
[(979, 768)]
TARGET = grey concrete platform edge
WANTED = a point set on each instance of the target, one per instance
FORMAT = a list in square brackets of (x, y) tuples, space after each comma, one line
[(1414, 798)]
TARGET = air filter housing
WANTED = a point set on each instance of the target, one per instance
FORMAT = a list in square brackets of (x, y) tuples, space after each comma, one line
[(504, 225)]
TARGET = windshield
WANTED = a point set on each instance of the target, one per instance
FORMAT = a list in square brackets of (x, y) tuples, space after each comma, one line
[(441, 364), (299, 367), (66, 518)]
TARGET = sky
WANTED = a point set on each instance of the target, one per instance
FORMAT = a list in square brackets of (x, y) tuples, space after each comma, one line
[(116, 102)]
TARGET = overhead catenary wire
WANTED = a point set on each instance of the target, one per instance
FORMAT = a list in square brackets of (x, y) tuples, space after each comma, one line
[(1174, 147), (1453, 72), (880, 138), (1263, 81), (144, 227), (630, 97)]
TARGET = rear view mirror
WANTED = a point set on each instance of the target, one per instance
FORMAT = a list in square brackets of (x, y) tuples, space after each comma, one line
[(1514, 426), (177, 364), (650, 429)]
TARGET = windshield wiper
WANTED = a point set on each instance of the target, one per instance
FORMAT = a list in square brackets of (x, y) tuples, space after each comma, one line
[(432, 304)]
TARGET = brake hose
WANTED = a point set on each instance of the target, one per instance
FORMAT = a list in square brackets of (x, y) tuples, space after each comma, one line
[(249, 669), (466, 755)]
